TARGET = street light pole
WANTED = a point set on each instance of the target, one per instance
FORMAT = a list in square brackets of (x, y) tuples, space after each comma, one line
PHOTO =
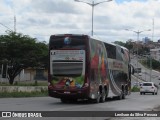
[(150, 64), (92, 5), (92, 16), (138, 33)]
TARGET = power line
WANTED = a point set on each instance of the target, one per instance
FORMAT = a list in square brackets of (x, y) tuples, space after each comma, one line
[(6, 27)]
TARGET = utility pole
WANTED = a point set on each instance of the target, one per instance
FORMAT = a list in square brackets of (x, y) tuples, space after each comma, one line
[(14, 23), (150, 51), (137, 32)]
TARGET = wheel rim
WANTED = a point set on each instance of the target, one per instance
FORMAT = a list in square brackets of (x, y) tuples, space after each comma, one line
[(103, 95)]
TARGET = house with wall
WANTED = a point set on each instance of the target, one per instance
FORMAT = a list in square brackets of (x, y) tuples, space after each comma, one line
[(30, 74)]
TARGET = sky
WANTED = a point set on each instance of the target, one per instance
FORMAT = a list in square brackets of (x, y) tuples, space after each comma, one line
[(42, 18)]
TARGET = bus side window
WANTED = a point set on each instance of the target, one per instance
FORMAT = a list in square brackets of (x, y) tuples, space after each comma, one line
[(111, 51), (122, 51)]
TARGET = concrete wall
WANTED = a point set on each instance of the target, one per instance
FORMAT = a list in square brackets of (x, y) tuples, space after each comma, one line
[(22, 88), (29, 75)]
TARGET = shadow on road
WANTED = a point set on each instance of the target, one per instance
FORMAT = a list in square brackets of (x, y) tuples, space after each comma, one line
[(82, 102)]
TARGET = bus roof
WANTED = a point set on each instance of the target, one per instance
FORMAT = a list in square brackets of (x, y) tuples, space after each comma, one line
[(88, 37), (69, 35)]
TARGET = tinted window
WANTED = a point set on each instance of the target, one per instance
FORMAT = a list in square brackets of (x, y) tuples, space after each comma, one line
[(74, 42), (111, 51), (147, 84), (119, 53), (122, 51)]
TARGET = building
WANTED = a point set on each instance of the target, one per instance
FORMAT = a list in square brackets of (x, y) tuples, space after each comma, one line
[(155, 54), (146, 40), (29, 74)]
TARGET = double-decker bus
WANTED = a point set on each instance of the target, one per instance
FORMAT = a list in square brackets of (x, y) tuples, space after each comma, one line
[(81, 67)]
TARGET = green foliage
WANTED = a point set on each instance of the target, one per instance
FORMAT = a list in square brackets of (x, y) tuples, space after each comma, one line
[(143, 50), (16, 83), (21, 51), (35, 83), (155, 64), (23, 94), (151, 62), (135, 89), (130, 46), (119, 43)]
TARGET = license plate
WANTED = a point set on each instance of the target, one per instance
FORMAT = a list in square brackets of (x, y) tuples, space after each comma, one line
[(67, 92), (146, 90)]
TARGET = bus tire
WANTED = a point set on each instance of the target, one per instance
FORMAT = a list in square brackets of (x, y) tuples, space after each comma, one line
[(123, 95), (123, 92), (126, 90), (97, 100), (120, 96), (103, 95)]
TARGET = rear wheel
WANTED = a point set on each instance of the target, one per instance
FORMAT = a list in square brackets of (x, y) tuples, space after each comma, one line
[(97, 100), (120, 96), (103, 95), (124, 94)]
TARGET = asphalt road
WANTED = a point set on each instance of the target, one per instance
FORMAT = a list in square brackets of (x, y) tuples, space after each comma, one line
[(133, 102), (146, 73)]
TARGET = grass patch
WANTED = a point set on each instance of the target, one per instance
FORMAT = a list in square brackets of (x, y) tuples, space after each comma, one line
[(26, 83), (43, 93), (135, 89)]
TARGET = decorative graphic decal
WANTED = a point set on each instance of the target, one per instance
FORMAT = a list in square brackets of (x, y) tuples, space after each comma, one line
[(65, 82), (98, 64), (67, 40)]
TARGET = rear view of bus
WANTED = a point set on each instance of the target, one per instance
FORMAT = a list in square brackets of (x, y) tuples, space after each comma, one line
[(67, 72)]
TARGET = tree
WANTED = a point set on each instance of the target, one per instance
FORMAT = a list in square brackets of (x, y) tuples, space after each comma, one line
[(119, 43), (21, 51), (143, 50), (129, 45)]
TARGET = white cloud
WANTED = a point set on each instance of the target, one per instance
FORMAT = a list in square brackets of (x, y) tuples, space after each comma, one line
[(41, 18)]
